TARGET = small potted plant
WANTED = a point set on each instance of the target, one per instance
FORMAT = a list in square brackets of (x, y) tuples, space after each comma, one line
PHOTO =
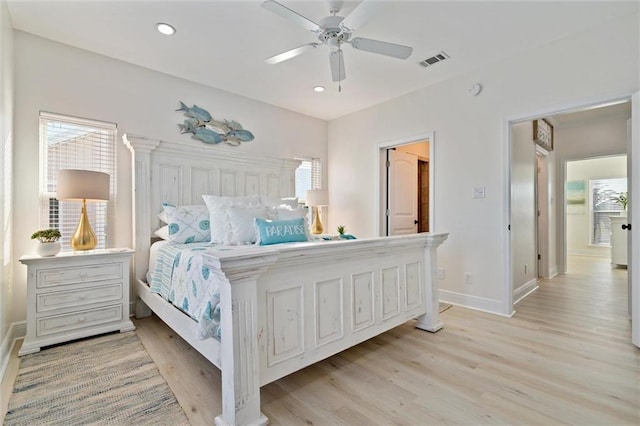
[(49, 244), (622, 200), (342, 235)]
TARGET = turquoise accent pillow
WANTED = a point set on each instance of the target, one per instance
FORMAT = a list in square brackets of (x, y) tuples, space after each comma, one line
[(279, 231), (188, 224)]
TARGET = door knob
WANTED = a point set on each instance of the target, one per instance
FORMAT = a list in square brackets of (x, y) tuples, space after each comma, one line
[(626, 227), (415, 221)]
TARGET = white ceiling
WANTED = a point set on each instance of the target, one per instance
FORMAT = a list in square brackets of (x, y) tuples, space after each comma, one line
[(224, 43)]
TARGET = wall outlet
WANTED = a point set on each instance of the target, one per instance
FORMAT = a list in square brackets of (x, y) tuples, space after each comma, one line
[(440, 273), (468, 278)]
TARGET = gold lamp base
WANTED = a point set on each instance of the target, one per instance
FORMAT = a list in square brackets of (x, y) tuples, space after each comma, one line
[(316, 226), (84, 238)]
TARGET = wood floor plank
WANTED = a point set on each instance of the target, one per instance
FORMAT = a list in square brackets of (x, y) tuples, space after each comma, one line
[(565, 357)]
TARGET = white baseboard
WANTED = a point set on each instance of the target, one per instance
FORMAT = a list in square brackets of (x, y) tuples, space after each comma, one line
[(473, 302), (595, 252), (524, 290), (16, 331), (553, 272)]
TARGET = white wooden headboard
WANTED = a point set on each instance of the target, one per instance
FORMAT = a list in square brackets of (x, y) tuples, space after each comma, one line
[(180, 173)]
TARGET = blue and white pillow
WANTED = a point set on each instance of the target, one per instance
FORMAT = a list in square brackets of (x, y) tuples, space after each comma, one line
[(188, 224), (280, 231)]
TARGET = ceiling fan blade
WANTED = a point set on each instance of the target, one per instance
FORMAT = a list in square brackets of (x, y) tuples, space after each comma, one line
[(381, 47), (362, 13), (337, 65), (291, 53), (285, 12)]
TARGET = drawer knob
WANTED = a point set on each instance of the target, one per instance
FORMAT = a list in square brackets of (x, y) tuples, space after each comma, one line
[(83, 296), (82, 319), (83, 275)]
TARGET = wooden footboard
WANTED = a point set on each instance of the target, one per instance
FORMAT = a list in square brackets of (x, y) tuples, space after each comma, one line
[(292, 306)]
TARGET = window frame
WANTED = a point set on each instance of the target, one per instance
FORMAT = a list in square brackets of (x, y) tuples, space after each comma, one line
[(608, 212), (100, 146), (315, 166)]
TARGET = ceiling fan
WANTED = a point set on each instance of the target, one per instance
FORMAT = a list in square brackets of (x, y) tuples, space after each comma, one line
[(334, 31)]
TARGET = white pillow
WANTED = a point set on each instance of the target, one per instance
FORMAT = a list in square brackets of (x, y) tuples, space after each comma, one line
[(241, 219), (163, 217), (287, 213), (219, 218), (279, 202), (162, 232)]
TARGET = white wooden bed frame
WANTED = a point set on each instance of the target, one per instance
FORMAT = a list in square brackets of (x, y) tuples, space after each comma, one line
[(283, 307)]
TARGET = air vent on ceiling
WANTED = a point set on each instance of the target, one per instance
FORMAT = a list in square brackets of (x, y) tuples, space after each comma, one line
[(438, 57)]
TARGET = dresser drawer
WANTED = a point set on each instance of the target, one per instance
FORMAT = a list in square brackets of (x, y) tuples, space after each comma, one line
[(74, 275), (75, 320), (46, 302)]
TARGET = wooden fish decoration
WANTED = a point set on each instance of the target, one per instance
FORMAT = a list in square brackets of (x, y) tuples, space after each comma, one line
[(202, 126), (194, 112)]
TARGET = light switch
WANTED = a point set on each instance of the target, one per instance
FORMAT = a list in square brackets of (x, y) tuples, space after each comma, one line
[(478, 192)]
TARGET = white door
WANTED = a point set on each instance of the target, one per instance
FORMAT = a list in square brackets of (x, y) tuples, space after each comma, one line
[(403, 193), (633, 215)]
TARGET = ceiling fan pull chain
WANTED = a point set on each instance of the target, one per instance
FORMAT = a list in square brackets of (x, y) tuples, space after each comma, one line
[(340, 72)]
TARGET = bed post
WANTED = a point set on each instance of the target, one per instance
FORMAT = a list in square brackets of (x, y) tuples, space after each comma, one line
[(240, 353), (141, 149), (431, 320)]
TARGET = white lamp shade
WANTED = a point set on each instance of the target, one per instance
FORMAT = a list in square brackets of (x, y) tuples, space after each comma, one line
[(82, 185), (317, 197)]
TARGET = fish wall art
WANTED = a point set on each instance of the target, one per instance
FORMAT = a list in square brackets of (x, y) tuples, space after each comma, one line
[(203, 127)]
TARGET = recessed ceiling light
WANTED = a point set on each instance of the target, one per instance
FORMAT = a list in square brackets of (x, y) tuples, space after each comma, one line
[(318, 89), (165, 29)]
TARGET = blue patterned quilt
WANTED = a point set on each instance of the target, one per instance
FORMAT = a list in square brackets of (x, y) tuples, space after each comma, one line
[(181, 277)]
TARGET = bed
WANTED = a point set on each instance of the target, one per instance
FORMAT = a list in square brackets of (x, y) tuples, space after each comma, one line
[(283, 306)]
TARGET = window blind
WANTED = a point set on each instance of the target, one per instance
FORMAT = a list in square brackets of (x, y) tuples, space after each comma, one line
[(75, 143), (308, 176), (603, 205)]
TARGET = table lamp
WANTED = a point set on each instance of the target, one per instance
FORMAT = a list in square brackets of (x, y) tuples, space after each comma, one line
[(84, 185), (315, 199)]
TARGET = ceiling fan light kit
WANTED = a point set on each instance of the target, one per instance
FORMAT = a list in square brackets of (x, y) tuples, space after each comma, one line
[(334, 31)]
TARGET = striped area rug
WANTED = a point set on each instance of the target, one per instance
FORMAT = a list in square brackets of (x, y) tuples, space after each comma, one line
[(108, 379)]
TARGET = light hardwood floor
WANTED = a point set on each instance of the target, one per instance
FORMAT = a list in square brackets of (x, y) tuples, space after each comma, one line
[(565, 357)]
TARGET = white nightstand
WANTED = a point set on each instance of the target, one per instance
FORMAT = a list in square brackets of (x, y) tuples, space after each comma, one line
[(76, 294)]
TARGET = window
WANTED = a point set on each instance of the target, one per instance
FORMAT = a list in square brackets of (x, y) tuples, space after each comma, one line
[(308, 176), (75, 143), (603, 204)]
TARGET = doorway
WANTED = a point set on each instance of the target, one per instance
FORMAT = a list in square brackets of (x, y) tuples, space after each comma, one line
[(596, 143), (406, 185)]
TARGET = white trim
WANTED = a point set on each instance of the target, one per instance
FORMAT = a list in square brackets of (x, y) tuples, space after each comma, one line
[(507, 122), (634, 215), (17, 330), (588, 253), (524, 290), (553, 272), (78, 120), (473, 302), (383, 146), (507, 273)]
